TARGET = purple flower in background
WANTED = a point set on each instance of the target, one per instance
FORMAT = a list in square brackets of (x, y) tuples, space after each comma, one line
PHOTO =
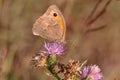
[(84, 71), (53, 48), (95, 73), (91, 73)]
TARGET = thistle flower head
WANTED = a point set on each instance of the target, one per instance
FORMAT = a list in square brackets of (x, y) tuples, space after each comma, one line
[(91, 72), (53, 48), (85, 71)]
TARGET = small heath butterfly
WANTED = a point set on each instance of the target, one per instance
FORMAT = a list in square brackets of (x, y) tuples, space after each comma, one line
[(51, 25)]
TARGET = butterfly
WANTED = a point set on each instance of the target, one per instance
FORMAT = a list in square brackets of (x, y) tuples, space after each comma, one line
[(51, 25)]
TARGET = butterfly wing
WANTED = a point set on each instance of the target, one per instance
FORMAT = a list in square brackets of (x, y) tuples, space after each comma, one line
[(51, 25)]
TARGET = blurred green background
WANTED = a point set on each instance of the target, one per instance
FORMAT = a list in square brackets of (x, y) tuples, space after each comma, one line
[(98, 42)]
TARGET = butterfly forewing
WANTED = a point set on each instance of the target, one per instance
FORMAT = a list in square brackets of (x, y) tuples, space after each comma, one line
[(51, 25)]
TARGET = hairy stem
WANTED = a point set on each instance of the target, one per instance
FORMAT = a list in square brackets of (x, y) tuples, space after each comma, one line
[(51, 69)]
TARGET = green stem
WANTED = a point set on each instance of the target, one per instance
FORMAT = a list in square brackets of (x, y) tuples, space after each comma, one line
[(50, 68), (51, 62)]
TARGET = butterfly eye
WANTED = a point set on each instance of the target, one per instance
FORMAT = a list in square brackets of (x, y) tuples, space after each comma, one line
[(55, 14)]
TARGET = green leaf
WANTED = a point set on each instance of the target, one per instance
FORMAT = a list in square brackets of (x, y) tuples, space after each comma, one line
[(83, 64)]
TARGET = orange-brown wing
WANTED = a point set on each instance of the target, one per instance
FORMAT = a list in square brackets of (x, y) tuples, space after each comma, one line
[(51, 25)]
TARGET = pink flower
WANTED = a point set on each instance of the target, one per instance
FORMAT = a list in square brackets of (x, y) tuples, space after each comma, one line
[(95, 73), (53, 48), (91, 73)]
